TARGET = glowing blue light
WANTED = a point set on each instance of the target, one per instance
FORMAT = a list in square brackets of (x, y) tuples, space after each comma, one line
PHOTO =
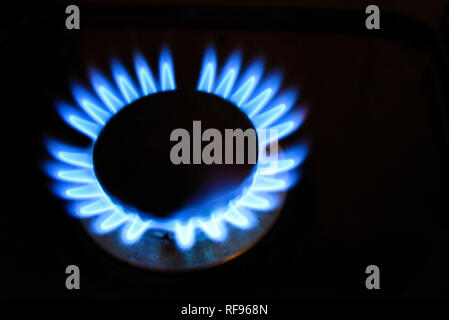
[(278, 131), (124, 82), (94, 208), (90, 105), (275, 109), (286, 161), (71, 155), (58, 171), (78, 121), (207, 75), (248, 83), (134, 230), (262, 95), (255, 201), (213, 228), (166, 71), (106, 92), (144, 74), (238, 217), (258, 98), (110, 221), (184, 234), (229, 75)]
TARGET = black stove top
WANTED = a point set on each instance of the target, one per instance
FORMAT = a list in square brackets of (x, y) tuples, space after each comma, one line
[(372, 190)]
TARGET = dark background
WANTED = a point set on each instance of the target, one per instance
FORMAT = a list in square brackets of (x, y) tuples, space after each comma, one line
[(374, 187)]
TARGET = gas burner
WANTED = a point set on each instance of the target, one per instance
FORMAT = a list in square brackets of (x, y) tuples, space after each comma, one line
[(138, 225)]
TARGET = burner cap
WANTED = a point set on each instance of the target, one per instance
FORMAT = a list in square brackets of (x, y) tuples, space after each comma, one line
[(132, 155)]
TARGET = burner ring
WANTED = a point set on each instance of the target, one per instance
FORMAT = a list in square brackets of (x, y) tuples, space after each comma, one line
[(199, 241)]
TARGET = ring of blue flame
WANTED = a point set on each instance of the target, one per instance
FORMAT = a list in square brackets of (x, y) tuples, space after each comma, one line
[(257, 97)]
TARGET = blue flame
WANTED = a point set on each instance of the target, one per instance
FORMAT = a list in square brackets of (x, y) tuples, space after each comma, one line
[(73, 169), (207, 75), (106, 92), (247, 83), (144, 74), (167, 74), (229, 75), (124, 82)]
